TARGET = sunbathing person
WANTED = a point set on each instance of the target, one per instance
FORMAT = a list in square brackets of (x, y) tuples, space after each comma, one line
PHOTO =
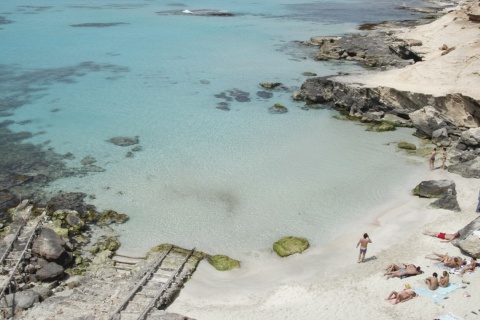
[(451, 262), (444, 280), (396, 267), (432, 281), (410, 270), (469, 267), (401, 296), (442, 235)]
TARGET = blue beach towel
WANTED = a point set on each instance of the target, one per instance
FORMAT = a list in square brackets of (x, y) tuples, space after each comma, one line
[(439, 294), (449, 316)]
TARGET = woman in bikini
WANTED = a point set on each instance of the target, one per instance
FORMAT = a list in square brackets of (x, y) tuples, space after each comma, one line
[(432, 159), (444, 158)]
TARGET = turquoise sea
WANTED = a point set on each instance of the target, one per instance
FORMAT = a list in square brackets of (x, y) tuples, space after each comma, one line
[(215, 170)]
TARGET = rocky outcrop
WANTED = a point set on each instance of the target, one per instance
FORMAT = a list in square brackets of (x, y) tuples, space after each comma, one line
[(469, 241), (48, 245), (467, 169), (471, 137), (455, 110), (290, 245), (50, 272), (442, 189)]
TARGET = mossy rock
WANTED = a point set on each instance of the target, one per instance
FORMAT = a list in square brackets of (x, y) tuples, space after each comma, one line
[(309, 74), (290, 245), (385, 127), (110, 216), (406, 145), (111, 244), (62, 232), (223, 263), (75, 223)]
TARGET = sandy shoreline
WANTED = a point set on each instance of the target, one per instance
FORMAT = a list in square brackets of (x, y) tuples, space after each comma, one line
[(326, 282)]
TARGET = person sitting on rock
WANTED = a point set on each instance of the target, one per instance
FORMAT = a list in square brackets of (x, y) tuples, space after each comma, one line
[(442, 235)]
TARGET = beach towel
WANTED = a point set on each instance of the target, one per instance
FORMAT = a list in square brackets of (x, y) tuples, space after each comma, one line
[(449, 316), (439, 294)]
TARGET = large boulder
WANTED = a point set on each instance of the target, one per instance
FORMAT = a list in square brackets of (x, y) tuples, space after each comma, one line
[(23, 299), (467, 169), (471, 137), (469, 241), (442, 189), (48, 245), (427, 120), (287, 246), (434, 188), (50, 272), (223, 263)]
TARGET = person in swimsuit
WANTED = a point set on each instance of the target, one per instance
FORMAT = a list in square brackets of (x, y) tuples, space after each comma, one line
[(401, 296), (432, 159), (442, 235), (469, 267), (451, 262), (410, 270), (363, 243), (444, 280), (432, 281), (444, 158), (396, 267)]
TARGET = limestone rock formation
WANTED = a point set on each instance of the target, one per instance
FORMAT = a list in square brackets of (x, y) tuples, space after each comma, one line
[(290, 245), (467, 169), (471, 137), (469, 240), (48, 245)]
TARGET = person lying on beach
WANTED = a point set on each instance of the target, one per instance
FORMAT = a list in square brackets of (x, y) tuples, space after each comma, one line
[(432, 281), (410, 270), (442, 235), (469, 267), (396, 267), (401, 296), (451, 262), (444, 280)]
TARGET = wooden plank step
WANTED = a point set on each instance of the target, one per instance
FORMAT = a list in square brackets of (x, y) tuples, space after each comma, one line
[(126, 260)]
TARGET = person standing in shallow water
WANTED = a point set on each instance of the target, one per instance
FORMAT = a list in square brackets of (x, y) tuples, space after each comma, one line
[(432, 159), (444, 158), (363, 243)]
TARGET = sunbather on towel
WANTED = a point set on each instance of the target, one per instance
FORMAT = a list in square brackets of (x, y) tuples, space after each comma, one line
[(444, 280), (396, 267), (469, 267), (432, 281), (451, 262), (401, 296), (410, 270)]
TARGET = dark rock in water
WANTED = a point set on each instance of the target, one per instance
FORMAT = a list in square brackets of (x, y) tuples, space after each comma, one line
[(309, 74), (88, 160), (234, 94), (129, 154), (48, 245), (75, 222), (110, 216), (137, 148), (223, 106), (406, 145), (69, 156), (124, 141), (71, 200), (200, 12), (277, 109), (264, 94), (50, 272), (270, 85), (8, 200)]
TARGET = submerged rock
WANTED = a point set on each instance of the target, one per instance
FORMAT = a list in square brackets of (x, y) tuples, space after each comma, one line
[(290, 245), (124, 141), (277, 108), (223, 263), (406, 145)]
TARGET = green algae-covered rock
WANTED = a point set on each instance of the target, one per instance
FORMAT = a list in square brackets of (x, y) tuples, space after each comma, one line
[(406, 145), (111, 244), (223, 263), (75, 223), (385, 127), (290, 245), (111, 216), (62, 232)]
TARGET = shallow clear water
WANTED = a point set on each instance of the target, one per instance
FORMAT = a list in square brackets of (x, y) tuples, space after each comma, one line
[(222, 181)]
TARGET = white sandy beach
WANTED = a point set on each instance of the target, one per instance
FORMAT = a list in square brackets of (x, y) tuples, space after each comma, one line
[(327, 282)]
